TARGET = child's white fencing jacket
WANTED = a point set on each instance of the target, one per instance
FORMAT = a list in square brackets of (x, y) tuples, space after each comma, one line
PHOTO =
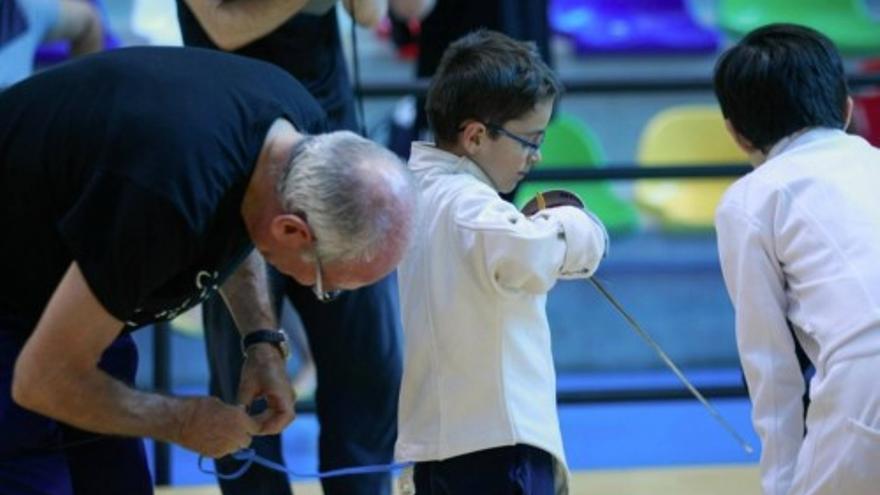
[(478, 367)]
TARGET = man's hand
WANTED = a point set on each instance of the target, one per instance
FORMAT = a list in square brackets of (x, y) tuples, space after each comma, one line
[(264, 375), (215, 429)]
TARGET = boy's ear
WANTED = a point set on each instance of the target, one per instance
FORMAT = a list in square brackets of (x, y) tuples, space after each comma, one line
[(756, 156), (472, 136), (847, 112)]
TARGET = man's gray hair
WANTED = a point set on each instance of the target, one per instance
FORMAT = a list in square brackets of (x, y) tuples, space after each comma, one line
[(355, 195)]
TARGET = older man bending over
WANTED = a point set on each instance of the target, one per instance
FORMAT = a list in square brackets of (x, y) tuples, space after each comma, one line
[(132, 184)]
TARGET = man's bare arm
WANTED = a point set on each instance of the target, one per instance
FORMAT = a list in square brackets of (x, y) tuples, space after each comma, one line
[(411, 9), (79, 22), (366, 13), (246, 293), (57, 375)]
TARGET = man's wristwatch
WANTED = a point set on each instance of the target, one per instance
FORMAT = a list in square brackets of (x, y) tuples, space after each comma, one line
[(275, 337)]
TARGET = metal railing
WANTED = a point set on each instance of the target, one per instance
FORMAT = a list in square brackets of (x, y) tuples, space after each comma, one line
[(629, 172), (389, 89)]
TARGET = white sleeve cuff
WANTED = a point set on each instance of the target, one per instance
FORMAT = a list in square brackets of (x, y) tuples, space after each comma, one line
[(586, 241)]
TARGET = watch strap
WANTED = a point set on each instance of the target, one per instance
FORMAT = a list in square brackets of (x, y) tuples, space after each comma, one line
[(275, 337)]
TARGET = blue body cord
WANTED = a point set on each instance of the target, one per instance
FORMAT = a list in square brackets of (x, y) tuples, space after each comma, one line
[(250, 457)]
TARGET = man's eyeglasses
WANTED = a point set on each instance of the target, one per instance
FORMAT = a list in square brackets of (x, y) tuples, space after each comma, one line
[(530, 146), (318, 288)]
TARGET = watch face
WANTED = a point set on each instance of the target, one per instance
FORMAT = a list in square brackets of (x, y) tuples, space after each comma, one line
[(285, 349), (283, 345)]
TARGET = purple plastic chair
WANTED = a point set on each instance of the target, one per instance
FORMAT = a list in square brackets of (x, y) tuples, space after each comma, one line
[(631, 26), (54, 52)]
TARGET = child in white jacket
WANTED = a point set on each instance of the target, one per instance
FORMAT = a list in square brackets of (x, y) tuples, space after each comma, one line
[(478, 398), (799, 239)]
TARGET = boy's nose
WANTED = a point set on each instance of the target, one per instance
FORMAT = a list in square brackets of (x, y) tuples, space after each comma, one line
[(535, 157)]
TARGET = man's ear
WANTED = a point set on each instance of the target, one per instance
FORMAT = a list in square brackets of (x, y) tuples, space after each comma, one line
[(291, 232), (472, 137)]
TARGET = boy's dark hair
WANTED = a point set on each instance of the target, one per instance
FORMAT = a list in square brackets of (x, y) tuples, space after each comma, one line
[(489, 77), (779, 79)]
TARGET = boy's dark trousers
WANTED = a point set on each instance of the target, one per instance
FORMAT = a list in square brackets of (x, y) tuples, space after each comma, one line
[(516, 470)]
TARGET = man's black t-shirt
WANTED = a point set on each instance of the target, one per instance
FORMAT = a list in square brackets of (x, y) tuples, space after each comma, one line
[(307, 46), (134, 164)]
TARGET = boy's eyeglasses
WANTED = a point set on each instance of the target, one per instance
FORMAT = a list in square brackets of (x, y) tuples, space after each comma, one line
[(531, 147), (318, 288)]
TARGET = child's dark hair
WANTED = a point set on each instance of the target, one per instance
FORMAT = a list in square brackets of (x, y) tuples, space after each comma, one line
[(489, 77), (779, 79)]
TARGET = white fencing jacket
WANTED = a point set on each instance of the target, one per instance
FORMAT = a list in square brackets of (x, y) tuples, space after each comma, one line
[(478, 368), (799, 241)]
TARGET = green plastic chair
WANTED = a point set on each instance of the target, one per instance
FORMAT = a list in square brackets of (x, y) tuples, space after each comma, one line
[(569, 143), (847, 22)]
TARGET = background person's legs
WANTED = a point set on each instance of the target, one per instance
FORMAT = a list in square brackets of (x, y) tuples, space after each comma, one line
[(26, 467), (43, 474), (41, 456), (109, 465), (355, 342)]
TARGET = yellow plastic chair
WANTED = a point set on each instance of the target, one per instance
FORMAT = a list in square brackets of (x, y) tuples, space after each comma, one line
[(847, 22), (685, 135), (569, 143)]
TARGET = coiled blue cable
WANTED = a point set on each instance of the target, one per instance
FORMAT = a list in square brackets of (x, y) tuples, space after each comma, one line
[(250, 457)]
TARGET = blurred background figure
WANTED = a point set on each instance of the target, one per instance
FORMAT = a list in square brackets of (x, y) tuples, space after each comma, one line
[(25, 24)]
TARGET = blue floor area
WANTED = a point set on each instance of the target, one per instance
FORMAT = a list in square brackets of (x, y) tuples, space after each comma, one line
[(596, 436), (654, 434)]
